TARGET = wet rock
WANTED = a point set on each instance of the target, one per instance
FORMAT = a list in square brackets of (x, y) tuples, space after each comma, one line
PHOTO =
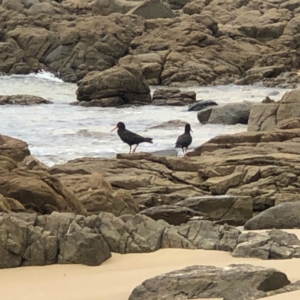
[(169, 124), (199, 105), (173, 215), (173, 97), (228, 114), (230, 209), (274, 244), (285, 215), (23, 100), (124, 82), (232, 282), (104, 102)]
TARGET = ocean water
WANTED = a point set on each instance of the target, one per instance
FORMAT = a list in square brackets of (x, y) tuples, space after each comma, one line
[(60, 132)]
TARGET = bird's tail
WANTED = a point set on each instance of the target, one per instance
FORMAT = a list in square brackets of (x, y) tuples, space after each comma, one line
[(148, 140)]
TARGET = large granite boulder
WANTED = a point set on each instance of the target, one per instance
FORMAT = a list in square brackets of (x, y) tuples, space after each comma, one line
[(13, 148), (265, 117), (284, 215), (274, 244), (173, 97), (123, 82), (234, 210), (152, 9), (228, 114), (235, 282)]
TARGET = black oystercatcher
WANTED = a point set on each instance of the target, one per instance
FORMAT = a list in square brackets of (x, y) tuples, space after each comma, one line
[(129, 137), (185, 139)]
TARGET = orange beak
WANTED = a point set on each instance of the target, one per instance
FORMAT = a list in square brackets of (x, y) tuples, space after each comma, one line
[(114, 129)]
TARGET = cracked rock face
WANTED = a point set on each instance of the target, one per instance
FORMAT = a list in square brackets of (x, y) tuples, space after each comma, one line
[(234, 282)]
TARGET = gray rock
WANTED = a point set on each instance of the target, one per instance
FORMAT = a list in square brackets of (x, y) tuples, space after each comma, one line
[(173, 97), (229, 114), (235, 210), (201, 104), (22, 100), (285, 215), (234, 282), (152, 9), (274, 244), (172, 214), (83, 248)]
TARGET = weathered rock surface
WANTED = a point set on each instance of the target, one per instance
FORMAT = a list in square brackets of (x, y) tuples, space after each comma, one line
[(229, 114), (207, 42), (233, 282), (32, 240), (152, 9), (13, 148), (274, 244), (265, 117), (126, 83), (173, 97), (23, 100), (284, 215), (169, 124), (201, 104), (97, 195), (234, 210), (152, 180), (172, 214)]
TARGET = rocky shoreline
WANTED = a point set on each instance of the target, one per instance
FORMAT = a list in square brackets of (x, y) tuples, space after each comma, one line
[(82, 211), (85, 209), (168, 43)]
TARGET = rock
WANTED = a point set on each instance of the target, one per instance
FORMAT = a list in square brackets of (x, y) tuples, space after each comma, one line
[(230, 209), (36, 190), (173, 97), (169, 124), (265, 117), (13, 148), (285, 215), (104, 102), (57, 238), (232, 282), (23, 100), (83, 248), (173, 215), (152, 9), (97, 195), (123, 82), (274, 244), (107, 7), (288, 124), (15, 5), (43, 7), (199, 105), (228, 114)]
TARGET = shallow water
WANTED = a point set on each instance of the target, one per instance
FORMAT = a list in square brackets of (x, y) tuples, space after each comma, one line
[(59, 132)]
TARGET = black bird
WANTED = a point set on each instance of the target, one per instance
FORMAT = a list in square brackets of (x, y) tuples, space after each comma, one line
[(129, 137), (185, 139)]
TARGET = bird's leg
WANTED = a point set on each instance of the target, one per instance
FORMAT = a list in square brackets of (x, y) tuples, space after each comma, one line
[(184, 154), (134, 149), (129, 149)]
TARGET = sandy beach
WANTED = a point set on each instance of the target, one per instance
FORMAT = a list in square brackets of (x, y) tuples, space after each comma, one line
[(117, 277)]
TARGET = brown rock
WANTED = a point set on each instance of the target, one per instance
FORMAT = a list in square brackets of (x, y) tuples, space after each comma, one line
[(23, 100)]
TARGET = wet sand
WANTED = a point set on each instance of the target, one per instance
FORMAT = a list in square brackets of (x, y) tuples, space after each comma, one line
[(117, 277)]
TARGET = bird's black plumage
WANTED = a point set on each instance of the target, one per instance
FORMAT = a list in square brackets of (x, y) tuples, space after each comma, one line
[(130, 137), (185, 139)]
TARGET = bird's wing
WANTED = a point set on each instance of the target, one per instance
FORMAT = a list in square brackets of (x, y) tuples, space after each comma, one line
[(178, 142), (133, 137)]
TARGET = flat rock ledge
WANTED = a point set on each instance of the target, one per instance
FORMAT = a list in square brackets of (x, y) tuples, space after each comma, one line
[(22, 100), (234, 282), (28, 239)]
